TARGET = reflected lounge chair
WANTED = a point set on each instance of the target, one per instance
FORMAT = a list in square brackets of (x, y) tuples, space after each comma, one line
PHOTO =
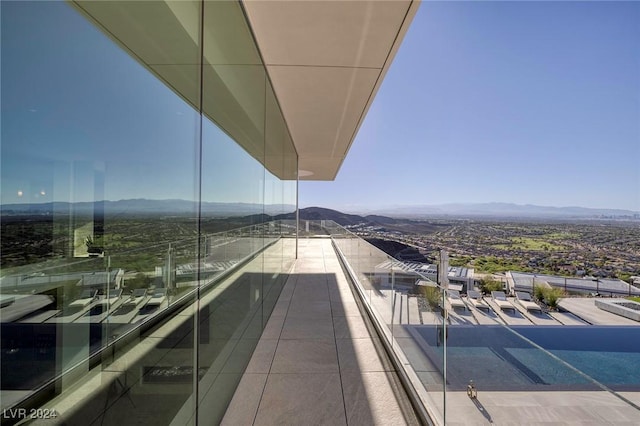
[(86, 297), (136, 297), (159, 296)]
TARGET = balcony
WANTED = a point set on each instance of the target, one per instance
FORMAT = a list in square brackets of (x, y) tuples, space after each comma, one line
[(319, 360), (340, 336), (316, 350)]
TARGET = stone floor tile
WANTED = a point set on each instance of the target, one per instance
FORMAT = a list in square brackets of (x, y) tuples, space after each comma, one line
[(310, 309), (273, 328), (350, 328), (360, 355), (305, 356), (263, 356), (370, 400), (307, 328), (302, 399), (245, 402)]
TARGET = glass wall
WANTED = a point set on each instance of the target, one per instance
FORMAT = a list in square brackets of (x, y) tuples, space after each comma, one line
[(463, 353), (148, 188), (399, 302)]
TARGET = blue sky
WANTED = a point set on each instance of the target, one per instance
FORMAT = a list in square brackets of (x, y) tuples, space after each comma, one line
[(75, 106), (523, 102)]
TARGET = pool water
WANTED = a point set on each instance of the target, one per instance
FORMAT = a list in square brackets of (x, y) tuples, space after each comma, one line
[(573, 358)]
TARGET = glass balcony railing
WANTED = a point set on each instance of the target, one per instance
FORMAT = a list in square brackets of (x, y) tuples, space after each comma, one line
[(468, 357), (130, 323), (66, 321)]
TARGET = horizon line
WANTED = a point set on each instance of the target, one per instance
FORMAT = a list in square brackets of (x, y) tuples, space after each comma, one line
[(341, 208)]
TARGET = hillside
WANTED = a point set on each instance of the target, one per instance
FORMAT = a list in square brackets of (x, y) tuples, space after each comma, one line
[(319, 213), (398, 250)]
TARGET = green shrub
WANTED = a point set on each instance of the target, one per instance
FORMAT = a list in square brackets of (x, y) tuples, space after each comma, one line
[(487, 285), (432, 296), (538, 292), (551, 296)]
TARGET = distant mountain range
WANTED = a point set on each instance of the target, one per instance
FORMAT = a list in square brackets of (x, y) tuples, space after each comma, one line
[(383, 216), (503, 210), (144, 206)]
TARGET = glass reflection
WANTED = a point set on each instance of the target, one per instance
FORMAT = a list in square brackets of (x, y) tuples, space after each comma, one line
[(89, 242), (143, 237)]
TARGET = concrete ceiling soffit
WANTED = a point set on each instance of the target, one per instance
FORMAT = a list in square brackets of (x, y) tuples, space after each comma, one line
[(326, 33), (326, 60)]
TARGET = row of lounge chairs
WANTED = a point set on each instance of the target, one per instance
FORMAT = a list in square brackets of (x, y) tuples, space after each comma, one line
[(473, 297), (89, 306), (98, 307), (476, 300), (158, 296)]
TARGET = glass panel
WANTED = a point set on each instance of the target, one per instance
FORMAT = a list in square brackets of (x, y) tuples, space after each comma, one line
[(403, 303), (233, 201), (460, 344), (94, 146), (275, 142), (290, 200), (233, 189), (137, 258), (234, 77)]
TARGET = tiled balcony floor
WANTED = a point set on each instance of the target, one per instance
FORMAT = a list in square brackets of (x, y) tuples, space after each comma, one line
[(317, 361)]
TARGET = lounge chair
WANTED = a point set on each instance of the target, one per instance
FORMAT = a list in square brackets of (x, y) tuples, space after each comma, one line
[(500, 299), (453, 296), (524, 299), (476, 300)]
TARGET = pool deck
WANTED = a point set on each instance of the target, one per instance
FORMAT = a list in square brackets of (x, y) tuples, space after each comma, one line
[(548, 408), (318, 360), (554, 407), (585, 308)]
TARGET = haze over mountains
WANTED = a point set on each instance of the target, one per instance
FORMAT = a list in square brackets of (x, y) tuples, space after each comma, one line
[(501, 210), (145, 206)]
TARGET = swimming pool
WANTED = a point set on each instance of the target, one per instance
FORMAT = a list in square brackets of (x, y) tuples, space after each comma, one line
[(502, 359)]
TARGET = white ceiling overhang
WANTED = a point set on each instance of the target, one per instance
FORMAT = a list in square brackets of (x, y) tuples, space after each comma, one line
[(325, 61)]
